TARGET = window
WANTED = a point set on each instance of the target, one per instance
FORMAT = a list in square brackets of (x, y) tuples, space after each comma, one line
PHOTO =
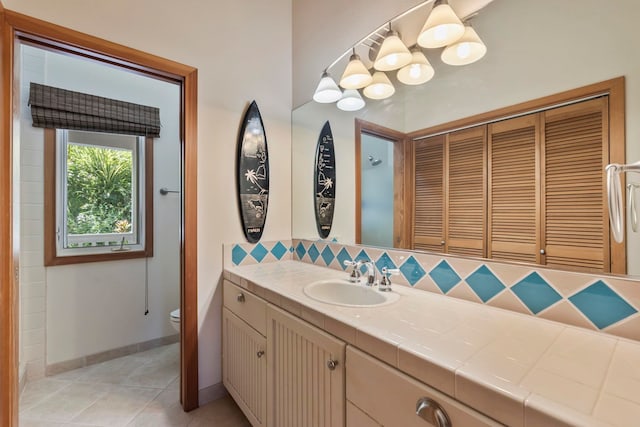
[(98, 203)]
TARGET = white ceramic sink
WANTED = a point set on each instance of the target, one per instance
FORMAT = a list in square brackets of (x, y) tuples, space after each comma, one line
[(345, 293)]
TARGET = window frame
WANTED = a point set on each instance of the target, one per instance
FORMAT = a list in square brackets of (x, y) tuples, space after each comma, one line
[(54, 254)]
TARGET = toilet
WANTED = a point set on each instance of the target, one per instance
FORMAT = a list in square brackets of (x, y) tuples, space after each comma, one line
[(174, 318)]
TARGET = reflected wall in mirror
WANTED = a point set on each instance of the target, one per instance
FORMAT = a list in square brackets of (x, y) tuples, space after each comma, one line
[(529, 58)]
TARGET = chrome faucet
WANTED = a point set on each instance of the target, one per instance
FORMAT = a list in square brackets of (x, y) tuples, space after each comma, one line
[(354, 277), (372, 275)]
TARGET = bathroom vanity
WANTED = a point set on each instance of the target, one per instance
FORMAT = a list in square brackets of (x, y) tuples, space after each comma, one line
[(290, 360)]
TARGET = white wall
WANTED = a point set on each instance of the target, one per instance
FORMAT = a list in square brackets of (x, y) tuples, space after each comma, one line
[(242, 50), (90, 308)]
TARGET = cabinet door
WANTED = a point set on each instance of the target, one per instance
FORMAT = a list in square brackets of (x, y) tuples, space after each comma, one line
[(389, 397), (244, 367), (305, 374)]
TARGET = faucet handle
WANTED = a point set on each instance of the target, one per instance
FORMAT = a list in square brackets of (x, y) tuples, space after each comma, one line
[(355, 273), (385, 282)]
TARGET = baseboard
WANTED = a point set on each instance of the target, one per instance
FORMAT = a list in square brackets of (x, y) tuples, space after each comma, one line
[(211, 393), (103, 356)]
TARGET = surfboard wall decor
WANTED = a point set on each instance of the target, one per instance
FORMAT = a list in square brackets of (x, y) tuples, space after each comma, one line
[(252, 174), (325, 181)]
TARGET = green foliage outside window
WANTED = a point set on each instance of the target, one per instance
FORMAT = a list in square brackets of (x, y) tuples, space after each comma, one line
[(99, 190)]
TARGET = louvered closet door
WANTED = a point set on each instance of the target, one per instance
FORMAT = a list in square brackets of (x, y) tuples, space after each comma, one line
[(513, 219), (576, 145), (428, 217), (465, 186)]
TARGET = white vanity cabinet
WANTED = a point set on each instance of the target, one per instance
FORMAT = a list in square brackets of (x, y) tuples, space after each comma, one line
[(379, 395), (244, 359), (305, 374), (280, 370)]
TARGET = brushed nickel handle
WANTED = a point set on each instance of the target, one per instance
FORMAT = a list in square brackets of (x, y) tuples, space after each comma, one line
[(442, 242), (240, 297), (542, 251), (260, 354), (430, 411), (331, 364)]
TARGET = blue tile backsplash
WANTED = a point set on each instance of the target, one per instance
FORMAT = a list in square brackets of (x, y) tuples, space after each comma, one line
[(602, 303)]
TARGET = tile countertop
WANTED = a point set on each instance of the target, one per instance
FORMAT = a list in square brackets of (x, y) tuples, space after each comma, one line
[(517, 369)]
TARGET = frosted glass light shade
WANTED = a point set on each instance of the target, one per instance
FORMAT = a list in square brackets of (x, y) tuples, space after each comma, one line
[(327, 90), (418, 71), (351, 101), (393, 54), (443, 27), (466, 50), (380, 87), (356, 75)]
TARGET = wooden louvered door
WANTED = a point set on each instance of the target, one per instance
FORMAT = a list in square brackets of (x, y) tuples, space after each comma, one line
[(428, 205), (514, 189), (576, 150), (465, 187)]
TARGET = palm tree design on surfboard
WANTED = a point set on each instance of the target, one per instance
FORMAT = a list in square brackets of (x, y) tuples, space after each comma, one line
[(325, 181), (253, 174)]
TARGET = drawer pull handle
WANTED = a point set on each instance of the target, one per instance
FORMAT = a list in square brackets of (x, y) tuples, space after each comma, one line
[(430, 411), (260, 354), (331, 364), (240, 297)]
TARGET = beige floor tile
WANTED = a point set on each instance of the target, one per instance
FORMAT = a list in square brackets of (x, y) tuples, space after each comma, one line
[(118, 407), (67, 403), (36, 391), (140, 390), (115, 371), (219, 413), (154, 374)]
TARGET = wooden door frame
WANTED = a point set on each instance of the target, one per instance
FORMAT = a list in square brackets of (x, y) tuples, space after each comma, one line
[(13, 25), (402, 190)]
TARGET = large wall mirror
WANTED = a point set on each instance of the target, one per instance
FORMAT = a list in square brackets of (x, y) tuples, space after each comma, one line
[(535, 49)]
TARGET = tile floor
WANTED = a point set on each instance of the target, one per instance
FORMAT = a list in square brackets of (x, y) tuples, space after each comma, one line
[(141, 389)]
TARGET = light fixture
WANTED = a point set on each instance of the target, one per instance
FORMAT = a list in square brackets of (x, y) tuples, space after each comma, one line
[(356, 75), (442, 28), (351, 100), (393, 53), (418, 71), (469, 48), (380, 87), (327, 90)]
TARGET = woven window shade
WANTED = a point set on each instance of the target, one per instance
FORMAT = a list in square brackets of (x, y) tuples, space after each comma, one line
[(53, 107)]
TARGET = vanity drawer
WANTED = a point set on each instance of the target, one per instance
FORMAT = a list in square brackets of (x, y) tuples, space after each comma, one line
[(246, 306), (389, 397)]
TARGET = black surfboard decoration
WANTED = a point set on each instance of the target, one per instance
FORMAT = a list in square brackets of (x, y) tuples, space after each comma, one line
[(325, 181), (252, 174)]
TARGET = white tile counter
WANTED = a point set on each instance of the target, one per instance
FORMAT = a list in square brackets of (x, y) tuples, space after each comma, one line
[(519, 370)]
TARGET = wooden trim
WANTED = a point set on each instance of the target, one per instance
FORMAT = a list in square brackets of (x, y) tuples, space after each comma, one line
[(400, 235), (18, 25), (617, 150), (87, 45), (189, 246), (8, 259), (51, 257), (358, 183), (149, 229), (612, 87), (409, 191)]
